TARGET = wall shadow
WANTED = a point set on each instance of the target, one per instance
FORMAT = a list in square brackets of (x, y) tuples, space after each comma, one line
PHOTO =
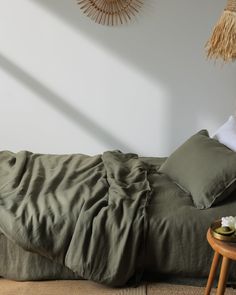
[(166, 44), (62, 106)]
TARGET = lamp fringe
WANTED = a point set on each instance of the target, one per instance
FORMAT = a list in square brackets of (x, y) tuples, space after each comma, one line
[(222, 43)]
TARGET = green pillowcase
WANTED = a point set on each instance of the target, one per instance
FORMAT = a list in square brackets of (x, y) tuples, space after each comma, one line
[(203, 167)]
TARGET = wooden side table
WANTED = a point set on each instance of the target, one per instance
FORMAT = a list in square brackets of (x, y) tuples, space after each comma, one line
[(228, 252)]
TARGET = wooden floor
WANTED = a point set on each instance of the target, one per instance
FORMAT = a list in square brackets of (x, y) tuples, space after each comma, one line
[(89, 288)]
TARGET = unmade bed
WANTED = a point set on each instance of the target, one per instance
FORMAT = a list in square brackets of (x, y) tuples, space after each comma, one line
[(176, 242), (111, 218)]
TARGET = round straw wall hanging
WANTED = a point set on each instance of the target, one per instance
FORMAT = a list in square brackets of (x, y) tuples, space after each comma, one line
[(110, 12)]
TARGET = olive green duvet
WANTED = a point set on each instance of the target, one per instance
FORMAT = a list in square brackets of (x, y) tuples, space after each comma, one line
[(110, 218)]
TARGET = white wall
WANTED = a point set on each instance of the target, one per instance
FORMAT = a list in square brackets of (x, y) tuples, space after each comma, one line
[(68, 85)]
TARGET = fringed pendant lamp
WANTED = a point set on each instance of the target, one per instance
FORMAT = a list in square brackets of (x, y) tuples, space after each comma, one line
[(110, 12), (222, 43)]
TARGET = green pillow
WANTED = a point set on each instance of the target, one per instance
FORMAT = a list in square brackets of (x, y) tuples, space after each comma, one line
[(203, 167)]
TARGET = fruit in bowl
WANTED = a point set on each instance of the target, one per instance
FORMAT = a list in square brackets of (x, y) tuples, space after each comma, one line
[(224, 230)]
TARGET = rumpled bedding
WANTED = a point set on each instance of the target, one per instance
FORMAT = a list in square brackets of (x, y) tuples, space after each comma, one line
[(110, 218), (86, 213)]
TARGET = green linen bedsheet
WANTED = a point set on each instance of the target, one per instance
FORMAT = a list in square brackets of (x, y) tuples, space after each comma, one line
[(21, 265), (86, 213), (109, 218)]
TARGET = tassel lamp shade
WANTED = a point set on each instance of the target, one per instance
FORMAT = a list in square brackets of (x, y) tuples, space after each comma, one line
[(222, 44)]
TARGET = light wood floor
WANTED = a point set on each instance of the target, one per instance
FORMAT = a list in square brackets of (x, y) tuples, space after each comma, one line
[(89, 288)]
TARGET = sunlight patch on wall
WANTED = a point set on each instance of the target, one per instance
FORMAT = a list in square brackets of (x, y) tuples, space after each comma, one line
[(95, 81)]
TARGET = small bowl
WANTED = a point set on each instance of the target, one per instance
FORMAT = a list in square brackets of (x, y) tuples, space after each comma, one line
[(227, 238)]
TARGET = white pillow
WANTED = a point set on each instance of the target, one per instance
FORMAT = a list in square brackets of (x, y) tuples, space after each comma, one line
[(226, 134)]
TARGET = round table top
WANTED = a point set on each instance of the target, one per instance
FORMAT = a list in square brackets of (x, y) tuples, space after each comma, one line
[(224, 248)]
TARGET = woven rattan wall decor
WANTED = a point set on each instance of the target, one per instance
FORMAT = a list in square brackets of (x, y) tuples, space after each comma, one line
[(110, 12), (222, 44)]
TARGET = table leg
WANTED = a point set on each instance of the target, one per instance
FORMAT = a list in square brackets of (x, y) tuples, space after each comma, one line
[(211, 277), (223, 276)]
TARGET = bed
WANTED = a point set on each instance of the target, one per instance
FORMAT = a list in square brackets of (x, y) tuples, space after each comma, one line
[(111, 218)]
